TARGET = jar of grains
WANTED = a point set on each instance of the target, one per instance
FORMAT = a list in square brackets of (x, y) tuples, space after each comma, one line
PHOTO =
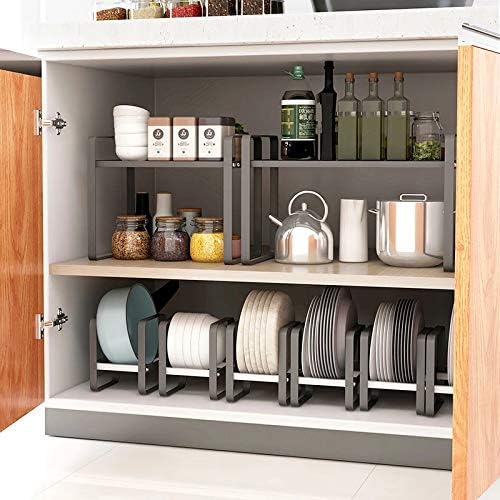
[(207, 241), (110, 10), (428, 137), (146, 9), (184, 8), (255, 7), (131, 239), (221, 8), (170, 241)]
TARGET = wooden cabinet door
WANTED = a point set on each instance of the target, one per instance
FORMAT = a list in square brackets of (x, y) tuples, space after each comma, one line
[(21, 245), (476, 407)]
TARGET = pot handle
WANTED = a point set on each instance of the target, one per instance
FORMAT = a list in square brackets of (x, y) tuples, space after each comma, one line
[(412, 196), (315, 194)]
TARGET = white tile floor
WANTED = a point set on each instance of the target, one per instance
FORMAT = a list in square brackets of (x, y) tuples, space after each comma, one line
[(35, 466)]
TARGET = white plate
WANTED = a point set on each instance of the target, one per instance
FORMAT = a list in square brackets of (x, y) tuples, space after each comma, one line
[(187, 350), (254, 332), (322, 329), (373, 343), (260, 337), (306, 366), (281, 312), (134, 140), (331, 332), (346, 318), (395, 340), (195, 340), (407, 341), (313, 362), (249, 344), (240, 351), (399, 340), (172, 338), (126, 110), (178, 340), (205, 343)]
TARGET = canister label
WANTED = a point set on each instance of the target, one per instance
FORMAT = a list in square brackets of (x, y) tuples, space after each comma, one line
[(298, 120)]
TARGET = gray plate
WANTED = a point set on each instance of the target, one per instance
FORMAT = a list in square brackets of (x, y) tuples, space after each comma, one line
[(330, 328)]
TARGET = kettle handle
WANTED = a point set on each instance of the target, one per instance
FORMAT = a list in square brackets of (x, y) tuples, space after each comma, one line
[(314, 193)]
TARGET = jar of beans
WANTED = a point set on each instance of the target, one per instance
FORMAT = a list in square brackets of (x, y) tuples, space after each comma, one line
[(184, 8), (255, 7), (110, 10), (170, 242), (207, 241), (131, 240), (221, 8)]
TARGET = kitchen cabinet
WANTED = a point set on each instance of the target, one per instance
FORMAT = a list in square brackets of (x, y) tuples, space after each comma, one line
[(84, 85)]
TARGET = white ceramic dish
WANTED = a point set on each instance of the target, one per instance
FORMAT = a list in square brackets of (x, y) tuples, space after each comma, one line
[(260, 336), (249, 331), (204, 346), (195, 340), (346, 319), (406, 341), (281, 312), (179, 342), (255, 331), (187, 351), (171, 340), (331, 332), (131, 127), (320, 331), (240, 341), (126, 110), (132, 153), (131, 140), (117, 321), (395, 340)]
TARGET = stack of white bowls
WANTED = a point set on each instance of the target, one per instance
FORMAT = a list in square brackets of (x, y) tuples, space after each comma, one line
[(131, 132)]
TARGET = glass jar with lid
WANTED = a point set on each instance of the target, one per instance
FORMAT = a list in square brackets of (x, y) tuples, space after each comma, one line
[(183, 8), (428, 137), (146, 9), (170, 242), (207, 240), (131, 240), (255, 7), (221, 8), (109, 10)]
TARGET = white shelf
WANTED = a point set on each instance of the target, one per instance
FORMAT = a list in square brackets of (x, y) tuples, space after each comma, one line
[(371, 274), (393, 414)]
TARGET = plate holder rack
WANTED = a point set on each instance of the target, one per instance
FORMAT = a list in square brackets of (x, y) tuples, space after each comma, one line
[(302, 388), (215, 374), (426, 403), (238, 385)]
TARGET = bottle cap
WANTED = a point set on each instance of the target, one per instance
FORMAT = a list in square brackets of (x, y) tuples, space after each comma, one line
[(398, 76), (349, 77), (373, 77), (298, 73)]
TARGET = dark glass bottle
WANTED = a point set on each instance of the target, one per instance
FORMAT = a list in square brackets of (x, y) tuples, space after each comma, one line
[(327, 100), (298, 120), (142, 208)]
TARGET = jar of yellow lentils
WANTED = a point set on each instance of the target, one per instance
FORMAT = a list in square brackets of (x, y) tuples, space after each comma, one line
[(207, 240)]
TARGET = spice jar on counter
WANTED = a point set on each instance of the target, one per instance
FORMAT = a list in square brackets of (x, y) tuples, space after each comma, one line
[(146, 9), (207, 241), (255, 7), (170, 242), (221, 8), (184, 8), (109, 10), (428, 137), (131, 239)]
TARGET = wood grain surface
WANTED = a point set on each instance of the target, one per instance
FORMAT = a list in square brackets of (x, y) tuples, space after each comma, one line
[(476, 413), (21, 278)]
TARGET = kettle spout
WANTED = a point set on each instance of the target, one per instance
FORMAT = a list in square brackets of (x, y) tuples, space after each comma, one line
[(275, 220)]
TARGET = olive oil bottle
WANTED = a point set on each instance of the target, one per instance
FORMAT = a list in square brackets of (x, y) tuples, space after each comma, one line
[(372, 122), (298, 119), (398, 122), (348, 122)]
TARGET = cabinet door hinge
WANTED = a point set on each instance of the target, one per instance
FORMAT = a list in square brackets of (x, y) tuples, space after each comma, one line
[(57, 322), (58, 123)]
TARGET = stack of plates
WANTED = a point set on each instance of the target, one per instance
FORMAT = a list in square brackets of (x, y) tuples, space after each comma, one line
[(264, 313), (451, 341), (131, 132), (188, 341), (330, 316), (393, 350)]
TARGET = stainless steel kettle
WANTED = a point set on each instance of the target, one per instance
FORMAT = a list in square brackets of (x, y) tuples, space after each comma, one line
[(303, 237)]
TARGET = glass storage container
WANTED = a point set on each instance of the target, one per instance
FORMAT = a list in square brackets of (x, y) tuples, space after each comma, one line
[(109, 10), (428, 137), (372, 122), (398, 122), (146, 9), (131, 240), (184, 8), (348, 122), (207, 241), (255, 7), (221, 8), (170, 242)]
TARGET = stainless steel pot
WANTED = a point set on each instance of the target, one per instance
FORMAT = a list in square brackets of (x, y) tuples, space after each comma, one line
[(410, 231)]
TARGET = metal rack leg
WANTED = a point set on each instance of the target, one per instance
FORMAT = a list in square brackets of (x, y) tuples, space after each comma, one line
[(163, 388), (232, 393), (432, 402), (217, 379), (421, 370), (366, 399), (228, 202), (147, 377), (98, 382), (352, 378), (284, 364), (298, 396)]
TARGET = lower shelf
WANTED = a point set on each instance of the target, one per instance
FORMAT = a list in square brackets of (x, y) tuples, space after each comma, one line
[(393, 415)]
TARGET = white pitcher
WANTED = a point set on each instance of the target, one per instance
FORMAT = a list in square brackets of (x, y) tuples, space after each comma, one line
[(353, 240)]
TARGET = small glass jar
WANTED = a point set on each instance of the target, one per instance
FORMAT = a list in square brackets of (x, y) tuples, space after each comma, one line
[(146, 9), (221, 8), (109, 10), (184, 8), (170, 243), (428, 137), (131, 240), (255, 7), (207, 241)]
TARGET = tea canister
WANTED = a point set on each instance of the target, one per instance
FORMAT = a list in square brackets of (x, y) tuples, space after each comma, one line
[(160, 138), (185, 138), (211, 135), (131, 240)]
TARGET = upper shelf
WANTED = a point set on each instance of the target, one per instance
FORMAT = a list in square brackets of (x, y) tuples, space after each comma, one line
[(371, 274), (408, 40)]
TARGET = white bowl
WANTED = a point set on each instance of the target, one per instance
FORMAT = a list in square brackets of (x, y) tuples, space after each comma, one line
[(119, 111), (131, 140), (131, 128), (132, 153)]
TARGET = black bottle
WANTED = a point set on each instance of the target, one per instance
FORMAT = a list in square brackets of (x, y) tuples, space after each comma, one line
[(142, 208), (327, 99)]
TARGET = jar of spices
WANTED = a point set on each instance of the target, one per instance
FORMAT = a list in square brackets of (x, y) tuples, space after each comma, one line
[(184, 8), (170, 242), (109, 10), (255, 7), (428, 137), (221, 8), (146, 9), (207, 241), (131, 239)]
